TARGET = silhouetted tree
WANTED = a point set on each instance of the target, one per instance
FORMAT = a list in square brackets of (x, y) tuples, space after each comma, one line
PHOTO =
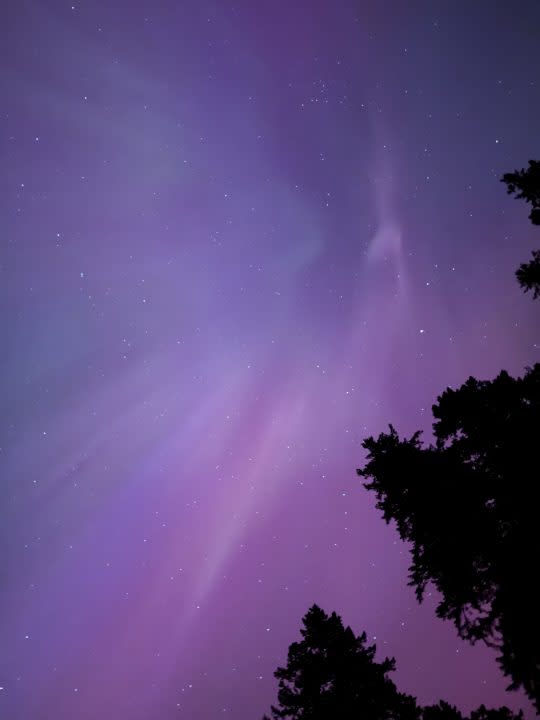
[(528, 275), (332, 675), (444, 711), (502, 713), (525, 185), (469, 507)]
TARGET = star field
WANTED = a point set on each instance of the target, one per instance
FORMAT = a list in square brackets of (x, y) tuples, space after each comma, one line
[(235, 240)]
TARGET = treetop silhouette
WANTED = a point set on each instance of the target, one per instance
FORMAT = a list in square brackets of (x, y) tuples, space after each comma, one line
[(468, 505), (331, 674), (525, 185)]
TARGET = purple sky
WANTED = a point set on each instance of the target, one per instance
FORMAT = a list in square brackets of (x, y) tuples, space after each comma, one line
[(236, 238)]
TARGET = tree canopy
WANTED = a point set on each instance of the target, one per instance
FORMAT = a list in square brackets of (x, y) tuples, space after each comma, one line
[(525, 185), (468, 505), (331, 673)]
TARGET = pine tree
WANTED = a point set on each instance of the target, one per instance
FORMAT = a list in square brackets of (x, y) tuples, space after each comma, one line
[(332, 673), (525, 185), (468, 506)]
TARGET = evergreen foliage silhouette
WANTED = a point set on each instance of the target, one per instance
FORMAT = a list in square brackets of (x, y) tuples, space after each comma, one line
[(445, 711), (469, 507), (332, 675), (528, 275), (525, 185)]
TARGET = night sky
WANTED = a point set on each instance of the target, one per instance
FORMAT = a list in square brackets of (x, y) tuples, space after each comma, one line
[(236, 238)]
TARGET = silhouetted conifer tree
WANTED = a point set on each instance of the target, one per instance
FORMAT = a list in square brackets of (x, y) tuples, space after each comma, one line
[(525, 185), (469, 506), (445, 711), (333, 675)]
